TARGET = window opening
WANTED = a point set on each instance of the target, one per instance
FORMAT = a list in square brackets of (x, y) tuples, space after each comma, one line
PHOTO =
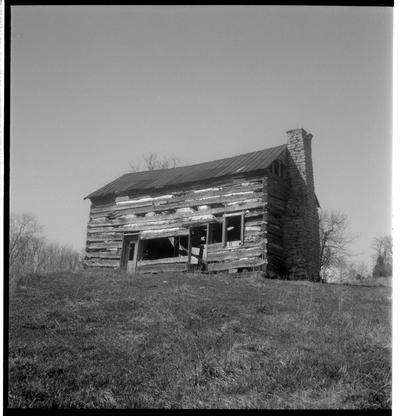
[(157, 248), (215, 235), (163, 248), (277, 168), (233, 228)]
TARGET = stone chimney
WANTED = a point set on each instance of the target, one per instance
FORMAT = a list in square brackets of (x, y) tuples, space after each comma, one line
[(301, 230)]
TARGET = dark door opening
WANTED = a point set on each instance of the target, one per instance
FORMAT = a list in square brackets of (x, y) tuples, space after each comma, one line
[(129, 253)]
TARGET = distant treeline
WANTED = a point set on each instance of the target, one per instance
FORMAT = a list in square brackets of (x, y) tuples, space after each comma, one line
[(30, 252)]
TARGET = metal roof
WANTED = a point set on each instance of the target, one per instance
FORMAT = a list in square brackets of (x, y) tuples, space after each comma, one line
[(160, 178)]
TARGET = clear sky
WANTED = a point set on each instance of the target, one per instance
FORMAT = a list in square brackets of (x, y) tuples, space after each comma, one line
[(94, 88)]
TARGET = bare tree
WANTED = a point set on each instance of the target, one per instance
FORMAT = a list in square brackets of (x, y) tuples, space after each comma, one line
[(383, 256), (152, 162), (334, 240), (25, 238), (29, 252)]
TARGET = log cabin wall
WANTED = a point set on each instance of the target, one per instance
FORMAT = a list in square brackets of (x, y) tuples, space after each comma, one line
[(173, 213), (276, 191)]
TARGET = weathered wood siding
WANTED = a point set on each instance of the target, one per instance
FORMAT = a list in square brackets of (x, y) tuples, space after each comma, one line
[(277, 189), (171, 213)]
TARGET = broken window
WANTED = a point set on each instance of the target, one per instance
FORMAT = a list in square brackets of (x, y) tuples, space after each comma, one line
[(158, 248), (163, 248), (233, 228), (199, 235), (182, 244), (215, 234)]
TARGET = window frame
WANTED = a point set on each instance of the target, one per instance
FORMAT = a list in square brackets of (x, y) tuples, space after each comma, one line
[(225, 231)]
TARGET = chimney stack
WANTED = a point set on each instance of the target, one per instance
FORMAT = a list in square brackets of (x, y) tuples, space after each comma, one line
[(301, 223)]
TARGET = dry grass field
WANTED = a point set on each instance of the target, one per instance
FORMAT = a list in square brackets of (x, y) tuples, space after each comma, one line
[(194, 341)]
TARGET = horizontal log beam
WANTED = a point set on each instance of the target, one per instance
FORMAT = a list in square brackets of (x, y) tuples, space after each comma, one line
[(244, 263), (184, 217), (162, 268), (103, 255), (234, 254), (169, 260), (163, 201)]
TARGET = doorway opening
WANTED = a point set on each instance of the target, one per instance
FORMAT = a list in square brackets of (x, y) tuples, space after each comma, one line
[(129, 253)]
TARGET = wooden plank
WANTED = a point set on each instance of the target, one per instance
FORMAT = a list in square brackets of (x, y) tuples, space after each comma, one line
[(244, 263), (242, 228), (189, 260), (100, 207), (135, 255), (205, 252), (169, 260), (251, 232), (102, 255), (255, 222), (234, 254), (190, 199), (101, 266), (245, 180), (255, 228), (255, 238), (224, 232), (221, 200), (104, 245), (115, 225), (105, 263), (105, 237), (218, 247), (162, 268), (147, 235), (185, 203)]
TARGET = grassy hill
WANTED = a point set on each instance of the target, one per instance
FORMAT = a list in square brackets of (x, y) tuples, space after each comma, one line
[(101, 340)]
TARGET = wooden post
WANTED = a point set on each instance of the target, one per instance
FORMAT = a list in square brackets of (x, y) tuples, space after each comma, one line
[(242, 228), (122, 266), (135, 255), (189, 248), (176, 246), (224, 232), (207, 241)]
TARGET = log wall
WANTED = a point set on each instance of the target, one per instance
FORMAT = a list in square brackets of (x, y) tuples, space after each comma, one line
[(170, 213)]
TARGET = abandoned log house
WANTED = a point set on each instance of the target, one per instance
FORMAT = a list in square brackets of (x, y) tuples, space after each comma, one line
[(255, 211)]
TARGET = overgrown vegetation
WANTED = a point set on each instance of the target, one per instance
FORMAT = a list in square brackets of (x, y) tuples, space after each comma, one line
[(181, 341), (30, 252), (336, 263)]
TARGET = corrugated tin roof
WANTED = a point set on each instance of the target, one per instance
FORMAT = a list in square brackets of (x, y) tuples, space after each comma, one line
[(157, 179)]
